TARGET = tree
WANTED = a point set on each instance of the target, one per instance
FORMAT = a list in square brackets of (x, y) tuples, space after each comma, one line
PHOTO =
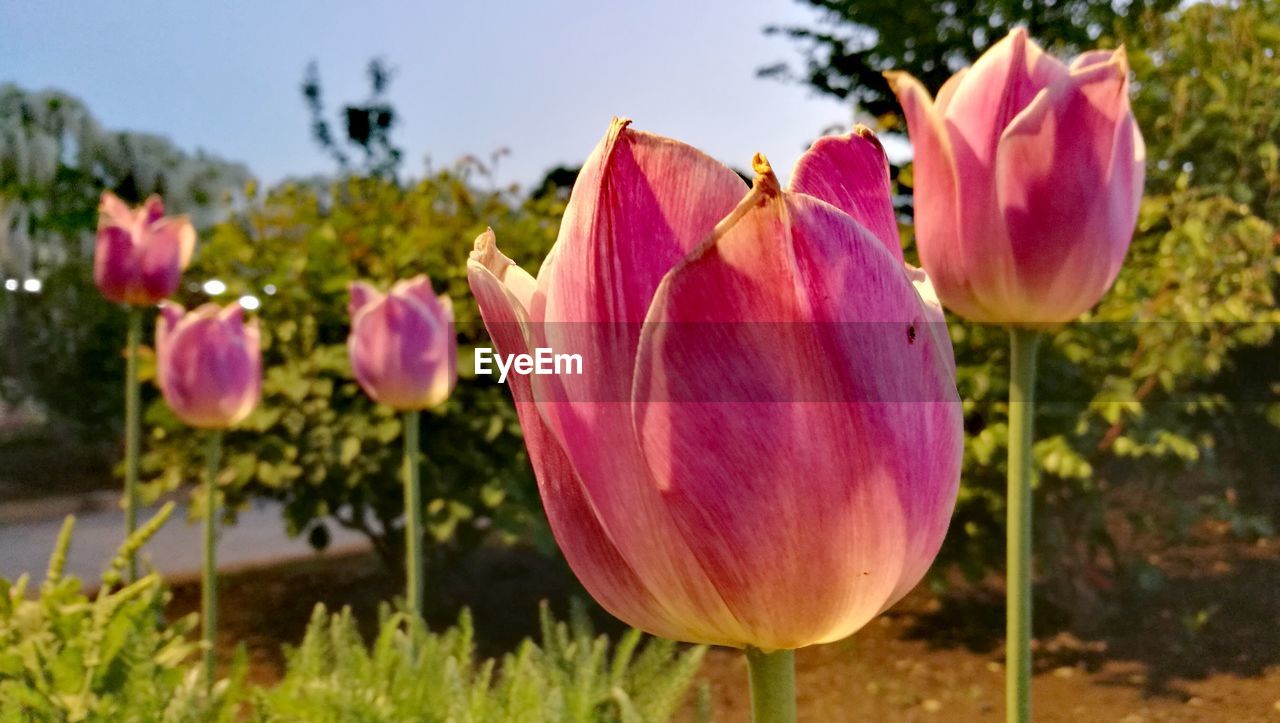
[(857, 40)]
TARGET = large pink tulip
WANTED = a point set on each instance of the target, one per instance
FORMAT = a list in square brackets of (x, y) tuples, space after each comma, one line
[(402, 345), (140, 253), (763, 447), (1028, 174), (208, 364)]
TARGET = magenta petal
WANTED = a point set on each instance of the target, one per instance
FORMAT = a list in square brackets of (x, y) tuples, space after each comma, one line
[(152, 210), (586, 545), (165, 249), (209, 365), (114, 212), (797, 306), (116, 265), (1000, 84), (640, 203), (361, 295), (936, 195), (403, 355), (851, 173), (1069, 177)]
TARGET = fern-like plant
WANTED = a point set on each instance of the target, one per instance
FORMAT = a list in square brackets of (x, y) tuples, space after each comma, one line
[(411, 674), (66, 656)]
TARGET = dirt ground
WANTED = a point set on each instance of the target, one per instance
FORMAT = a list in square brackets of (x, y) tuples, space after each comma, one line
[(1205, 646)]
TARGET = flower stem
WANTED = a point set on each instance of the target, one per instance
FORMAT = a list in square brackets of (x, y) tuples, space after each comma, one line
[(132, 424), (413, 514), (209, 581), (1022, 380), (773, 685)]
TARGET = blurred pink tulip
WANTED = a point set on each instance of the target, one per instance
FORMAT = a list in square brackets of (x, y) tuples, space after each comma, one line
[(1028, 173), (763, 447), (208, 364), (402, 345), (140, 253)]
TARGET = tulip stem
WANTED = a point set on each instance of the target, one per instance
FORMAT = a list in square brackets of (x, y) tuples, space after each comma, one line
[(1022, 381), (773, 685), (132, 423), (414, 583), (209, 581)]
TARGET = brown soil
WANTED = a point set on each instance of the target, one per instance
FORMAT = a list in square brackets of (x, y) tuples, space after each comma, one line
[(1205, 646)]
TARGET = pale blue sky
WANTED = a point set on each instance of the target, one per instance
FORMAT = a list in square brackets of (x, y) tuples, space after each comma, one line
[(539, 78)]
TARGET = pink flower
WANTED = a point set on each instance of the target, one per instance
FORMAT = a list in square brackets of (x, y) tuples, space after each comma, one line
[(208, 364), (140, 253), (1028, 174), (763, 447), (402, 345)]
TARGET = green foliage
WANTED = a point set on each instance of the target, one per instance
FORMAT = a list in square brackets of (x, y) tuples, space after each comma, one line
[(1147, 384), (856, 40), (317, 442), (67, 656), (410, 673)]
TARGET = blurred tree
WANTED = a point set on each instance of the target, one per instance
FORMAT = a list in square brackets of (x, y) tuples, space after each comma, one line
[(368, 125), (856, 40)]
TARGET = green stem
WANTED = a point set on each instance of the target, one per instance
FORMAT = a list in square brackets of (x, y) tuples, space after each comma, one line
[(773, 685), (1022, 381), (209, 579), (413, 513), (131, 432)]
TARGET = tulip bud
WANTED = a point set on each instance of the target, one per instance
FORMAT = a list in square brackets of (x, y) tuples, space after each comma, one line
[(763, 447), (1028, 173), (208, 364), (402, 345), (140, 253)]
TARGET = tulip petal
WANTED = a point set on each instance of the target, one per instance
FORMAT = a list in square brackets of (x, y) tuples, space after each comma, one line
[(1069, 177), (936, 198), (115, 264), (776, 265), (114, 212), (851, 173), (361, 295), (402, 354), (498, 284), (210, 376), (1003, 81), (166, 249), (151, 210), (640, 203)]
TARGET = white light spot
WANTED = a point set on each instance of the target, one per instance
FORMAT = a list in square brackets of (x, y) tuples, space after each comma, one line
[(32, 286), (11, 284), (249, 302), (270, 289), (213, 287)]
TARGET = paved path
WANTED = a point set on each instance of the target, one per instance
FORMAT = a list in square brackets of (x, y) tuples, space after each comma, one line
[(28, 531)]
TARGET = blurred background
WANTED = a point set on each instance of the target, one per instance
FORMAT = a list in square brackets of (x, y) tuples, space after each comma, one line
[(317, 142)]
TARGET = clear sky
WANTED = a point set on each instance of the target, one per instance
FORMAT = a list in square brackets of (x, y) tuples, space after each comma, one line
[(541, 78)]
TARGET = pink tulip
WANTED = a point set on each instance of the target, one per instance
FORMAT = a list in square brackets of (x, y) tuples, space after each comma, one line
[(208, 364), (763, 447), (140, 253), (1028, 174), (402, 345)]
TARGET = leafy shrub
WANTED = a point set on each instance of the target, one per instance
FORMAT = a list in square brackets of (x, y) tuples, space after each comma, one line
[(317, 442), (67, 657), (409, 673)]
